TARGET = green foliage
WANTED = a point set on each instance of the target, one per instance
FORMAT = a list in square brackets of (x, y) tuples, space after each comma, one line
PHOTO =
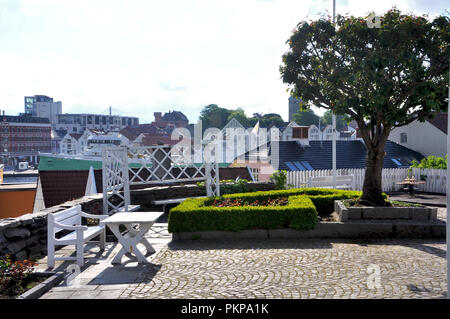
[(214, 116), (14, 274), (431, 162), (217, 117), (341, 120), (196, 214), (381, 77), (306, 118), (406, 59), (230, 186), (279, 178)]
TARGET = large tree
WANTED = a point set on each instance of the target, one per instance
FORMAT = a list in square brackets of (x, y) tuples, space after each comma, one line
[(306, 117), (214, 116), (381, 76), (341, 120)]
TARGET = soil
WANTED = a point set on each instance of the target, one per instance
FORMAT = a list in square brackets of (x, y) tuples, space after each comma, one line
[(27, 284), (392, 203)]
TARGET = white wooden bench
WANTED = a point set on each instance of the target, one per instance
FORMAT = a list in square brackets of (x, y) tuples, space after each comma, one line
[(70, 219), (342, 182)]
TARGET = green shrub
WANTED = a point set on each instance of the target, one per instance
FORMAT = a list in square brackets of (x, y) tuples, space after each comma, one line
[(279, 178), (431, 162), (196, 214), (230, 186)]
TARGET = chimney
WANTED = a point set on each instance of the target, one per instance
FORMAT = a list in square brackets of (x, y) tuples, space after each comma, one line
[(158, 117)]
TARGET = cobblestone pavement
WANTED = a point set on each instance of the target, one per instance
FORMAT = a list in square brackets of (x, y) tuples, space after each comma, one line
[(300, 269), (284, 268)]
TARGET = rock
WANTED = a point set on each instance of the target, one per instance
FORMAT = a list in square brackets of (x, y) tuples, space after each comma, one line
[(16, 233), (9, 223), (16, 246), (21, 255), (35, 251), (2, 238), (26, 219)]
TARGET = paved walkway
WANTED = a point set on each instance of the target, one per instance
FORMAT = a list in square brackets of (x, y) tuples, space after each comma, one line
[(420, 198), (266, 269)]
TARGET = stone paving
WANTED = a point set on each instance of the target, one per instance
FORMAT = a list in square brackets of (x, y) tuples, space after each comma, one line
[(264, 269)]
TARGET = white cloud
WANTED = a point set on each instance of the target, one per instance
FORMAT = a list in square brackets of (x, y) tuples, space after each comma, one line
[(145, 56)]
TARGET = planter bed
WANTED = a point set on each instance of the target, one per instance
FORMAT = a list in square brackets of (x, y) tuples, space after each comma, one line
[(422, 213), (300, 213), (40, 283)]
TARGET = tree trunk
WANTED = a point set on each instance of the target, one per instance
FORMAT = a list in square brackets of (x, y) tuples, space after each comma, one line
[(372, 191)]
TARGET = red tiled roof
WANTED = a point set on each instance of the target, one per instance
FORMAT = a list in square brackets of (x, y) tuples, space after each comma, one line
[(440, 121), (75, 135), (149, 140)]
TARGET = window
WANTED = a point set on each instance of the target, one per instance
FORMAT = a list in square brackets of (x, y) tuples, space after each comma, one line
[(291, 166), (396, 161), (403, 138), (300, 132), (307, 165), (299, 166)]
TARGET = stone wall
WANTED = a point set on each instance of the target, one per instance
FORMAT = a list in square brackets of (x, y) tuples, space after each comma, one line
[(26, 236)]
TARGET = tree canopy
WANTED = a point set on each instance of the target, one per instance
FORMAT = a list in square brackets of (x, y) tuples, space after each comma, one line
[(306, 117), (382, 77)]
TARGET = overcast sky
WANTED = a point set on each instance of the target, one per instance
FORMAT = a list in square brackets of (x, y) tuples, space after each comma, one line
[(145, 56)]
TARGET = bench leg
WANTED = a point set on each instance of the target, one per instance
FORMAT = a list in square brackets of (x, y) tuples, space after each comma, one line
[(102, 239), (50, 255), (79, 248)]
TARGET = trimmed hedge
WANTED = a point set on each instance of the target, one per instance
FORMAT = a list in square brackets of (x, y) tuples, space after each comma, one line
[(196, 214)]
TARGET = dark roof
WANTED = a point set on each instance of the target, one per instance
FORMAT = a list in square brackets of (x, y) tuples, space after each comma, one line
[(349, 154), (234, 172), (62, 186), (173, 116), (440, 121), (25, 118)]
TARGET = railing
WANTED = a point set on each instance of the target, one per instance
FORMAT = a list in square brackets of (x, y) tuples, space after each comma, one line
[(435, 178)]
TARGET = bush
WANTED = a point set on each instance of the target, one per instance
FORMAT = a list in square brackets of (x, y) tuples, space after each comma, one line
[(196, 214), (230, 186), (279, 178), (14, 274), (431, 162)]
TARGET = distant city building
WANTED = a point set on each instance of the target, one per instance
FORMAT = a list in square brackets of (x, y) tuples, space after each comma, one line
[(294, 106), (175, 118), (23, 137), (78, 123), (43, 106)]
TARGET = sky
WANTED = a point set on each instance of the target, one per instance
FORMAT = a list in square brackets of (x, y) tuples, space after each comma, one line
[(147, 56)]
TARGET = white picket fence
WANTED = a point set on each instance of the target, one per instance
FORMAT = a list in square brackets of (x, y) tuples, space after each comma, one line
[(435, 178)]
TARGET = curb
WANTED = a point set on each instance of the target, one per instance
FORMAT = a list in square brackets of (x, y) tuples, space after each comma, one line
[(380, 229), (43, 287)]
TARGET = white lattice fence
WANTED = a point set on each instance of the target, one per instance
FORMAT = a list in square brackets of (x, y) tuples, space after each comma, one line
[(435, 178), (124, 166)]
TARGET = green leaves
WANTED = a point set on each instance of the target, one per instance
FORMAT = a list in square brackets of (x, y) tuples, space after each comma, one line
[(377, 72)]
